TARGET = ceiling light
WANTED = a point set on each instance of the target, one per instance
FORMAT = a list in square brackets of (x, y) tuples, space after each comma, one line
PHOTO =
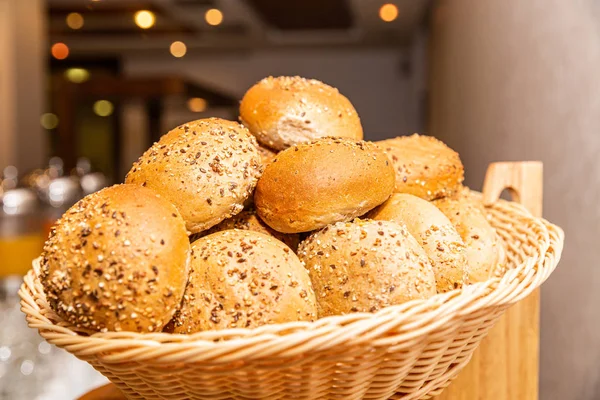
[(75, 20), (197, 104), (60, 51), (103, 108), (178, 49), (388, 12), (49, 121), (144, 19), (77, 75), (213, 17)]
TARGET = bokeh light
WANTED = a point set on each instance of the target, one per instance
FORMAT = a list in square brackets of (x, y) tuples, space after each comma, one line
[(49, 121), (178, 49), (197, 104), (144, 19), (77, 75), (60, 51), (213, 17), (103, 108), (388, 12), (75, 20)]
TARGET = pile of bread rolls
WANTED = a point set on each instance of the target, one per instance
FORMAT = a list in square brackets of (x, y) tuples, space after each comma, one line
[(288, 216)]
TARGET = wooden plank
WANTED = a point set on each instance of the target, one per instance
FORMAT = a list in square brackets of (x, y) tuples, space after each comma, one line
[(506, 364)]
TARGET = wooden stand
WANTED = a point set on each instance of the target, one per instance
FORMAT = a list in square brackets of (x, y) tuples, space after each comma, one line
[(506, 364)]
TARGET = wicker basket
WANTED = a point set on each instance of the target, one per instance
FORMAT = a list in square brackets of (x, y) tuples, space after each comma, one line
[(409, 351)]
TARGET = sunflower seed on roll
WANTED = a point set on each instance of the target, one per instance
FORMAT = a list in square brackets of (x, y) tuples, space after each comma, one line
[(243, 279), (117, 261), (288, 110), (434, 232), (311, 185), (365, 265), (206, 168), (425, 167)]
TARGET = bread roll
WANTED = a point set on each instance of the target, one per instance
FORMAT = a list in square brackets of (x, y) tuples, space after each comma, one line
[(206, 168), (482, 246), (117, 261), (363, 266), (425, 167), (249, 221), (311, 185), (434, 232), (243, 279), (285, 111), (266, 155)]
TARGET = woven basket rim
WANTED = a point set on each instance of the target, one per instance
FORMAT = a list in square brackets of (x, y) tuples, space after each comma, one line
[(410, 322)]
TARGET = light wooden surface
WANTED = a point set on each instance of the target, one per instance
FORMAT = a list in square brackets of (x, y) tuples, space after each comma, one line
[(506, 364)]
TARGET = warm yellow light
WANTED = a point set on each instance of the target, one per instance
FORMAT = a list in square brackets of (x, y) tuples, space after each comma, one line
[(144, 19), (213, 17), (77, 75), (388, 12), (75, 20), (49, 121), (103, 108), (197, 104), (178, 49), (60, 51)]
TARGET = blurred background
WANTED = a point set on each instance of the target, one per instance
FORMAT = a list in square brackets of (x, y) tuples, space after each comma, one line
[(87, 85)]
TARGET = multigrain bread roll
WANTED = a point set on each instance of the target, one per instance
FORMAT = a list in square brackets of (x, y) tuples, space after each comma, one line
[(117, 261), (425, 167), (482, 246), (434, 232), (311, 185), (206, 168), (285, 111), (243, 279), (363, 266), (249, 221)]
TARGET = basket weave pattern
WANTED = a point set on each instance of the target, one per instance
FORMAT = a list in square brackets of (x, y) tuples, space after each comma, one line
[(409, 351)]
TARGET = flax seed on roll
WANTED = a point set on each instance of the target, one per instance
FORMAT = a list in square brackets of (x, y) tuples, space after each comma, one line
[(363, 266), (425, 167), (206, 168), (285, 111), (434, 232), (482, 246), (243, 279), (117, 260), (249, 221), (311, 185)]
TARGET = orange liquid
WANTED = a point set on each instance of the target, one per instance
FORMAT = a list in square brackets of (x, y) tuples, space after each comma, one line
[(17, 253)]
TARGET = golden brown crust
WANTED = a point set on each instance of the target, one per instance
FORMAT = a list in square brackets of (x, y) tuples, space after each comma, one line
[(482, 246), (425, 167), (117, 260), (206, 168), (285, 111), (311, 185), (434, 232), (363, 266), (248, 220), (266, 155), (243, 279)]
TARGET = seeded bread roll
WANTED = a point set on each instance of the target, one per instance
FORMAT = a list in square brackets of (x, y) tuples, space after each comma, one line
[(482, 246), (363, 266), (206, 168), (117, 261), (243, 279), (311, 185), (425, 167), (285, 111), (249, 221), (434, 232)]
